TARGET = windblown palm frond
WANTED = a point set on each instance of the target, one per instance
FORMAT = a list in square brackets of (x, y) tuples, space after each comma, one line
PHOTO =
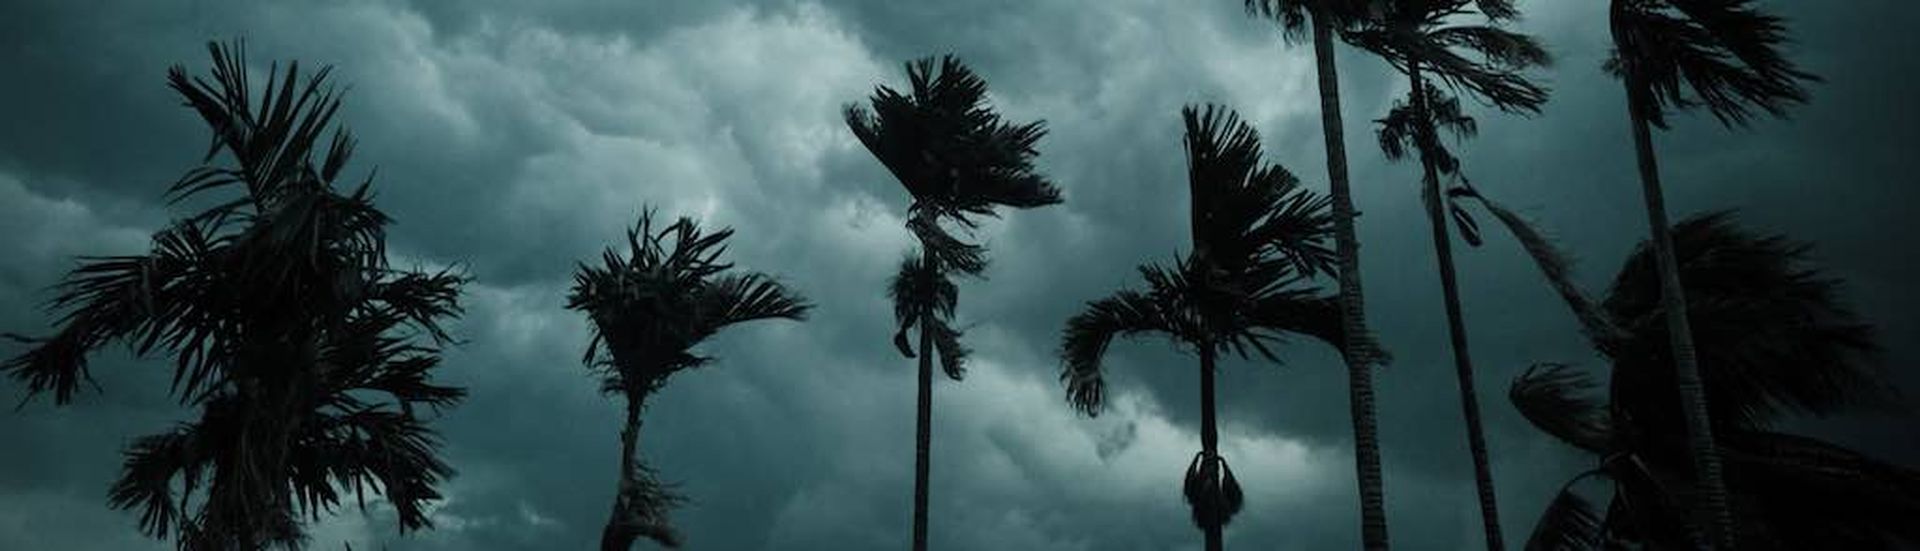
[(1422, 33), (1556, 399), (669, 292), (952, 152), (1773, 337), (1570, 522), (922, 293), (1294, 15), (1084, 342), (1400, 131), (286, 326), (1250, 219), (1721, 54)]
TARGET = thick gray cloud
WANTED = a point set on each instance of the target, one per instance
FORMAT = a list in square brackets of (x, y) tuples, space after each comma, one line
[(515, 138)]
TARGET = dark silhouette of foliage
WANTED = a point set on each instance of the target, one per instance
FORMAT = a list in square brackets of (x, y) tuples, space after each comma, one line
[(1776, 335), (958, 159), (288, 330), (650, 307), (1258, 240)]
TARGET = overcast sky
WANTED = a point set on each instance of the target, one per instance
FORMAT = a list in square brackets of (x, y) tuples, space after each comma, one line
[(518, 137)]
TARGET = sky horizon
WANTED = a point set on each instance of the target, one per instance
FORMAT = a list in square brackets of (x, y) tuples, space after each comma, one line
[(515, 139)]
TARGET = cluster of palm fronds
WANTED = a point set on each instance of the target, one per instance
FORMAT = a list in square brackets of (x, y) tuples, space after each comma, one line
[(289, 331)]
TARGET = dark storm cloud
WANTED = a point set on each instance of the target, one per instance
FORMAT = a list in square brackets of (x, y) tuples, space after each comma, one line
[(515, 138)]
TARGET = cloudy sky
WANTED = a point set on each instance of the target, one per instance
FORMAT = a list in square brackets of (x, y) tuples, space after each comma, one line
[(517, 137)]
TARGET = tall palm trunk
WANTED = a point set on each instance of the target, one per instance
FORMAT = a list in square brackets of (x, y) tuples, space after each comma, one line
[(623, 525), (1353, 321), (1456, 325), (923, 426), (1209, 436), (1711, 493)]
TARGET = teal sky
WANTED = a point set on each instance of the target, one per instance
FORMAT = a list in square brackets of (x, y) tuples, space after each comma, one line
[(515, 138)]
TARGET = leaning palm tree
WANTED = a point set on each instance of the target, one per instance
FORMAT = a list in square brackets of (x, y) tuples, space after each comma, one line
[(1487, 62), (1775, 341), (1726, 53), (649, 308), (288, 330), (1325, 18), (958, 159), (1258, 240)]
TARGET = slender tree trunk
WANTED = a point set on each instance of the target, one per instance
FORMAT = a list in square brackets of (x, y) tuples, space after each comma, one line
[(1456, 324), (621, 528), (1209, 435), (1711, 504), (1357, 349), (923, 432)]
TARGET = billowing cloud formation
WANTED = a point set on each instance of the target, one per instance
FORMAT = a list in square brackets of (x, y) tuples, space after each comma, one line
[(516, 138)]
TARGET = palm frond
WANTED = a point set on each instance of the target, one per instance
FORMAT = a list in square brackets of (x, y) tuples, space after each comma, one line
[(952, 152), (1486, 61), (1773, 336), (1558, 399), (1721, 54), (1557, 267), (1570, 522), (1084, 342), (921, 293), (1247, 215)]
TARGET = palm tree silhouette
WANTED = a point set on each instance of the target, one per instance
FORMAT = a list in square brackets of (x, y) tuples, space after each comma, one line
[(649, 308), (1774, 341), (1324, 18), (1422, 36), (958, 159), (1258, 240), (1726, 53), (287, 327)]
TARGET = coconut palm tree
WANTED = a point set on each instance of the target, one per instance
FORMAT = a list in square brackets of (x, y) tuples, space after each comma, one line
[(1723, 55), (1258, 240), (1419, 37), (287, 328), (1322, 19), (649, 308), (1775, 341), (958, 160)]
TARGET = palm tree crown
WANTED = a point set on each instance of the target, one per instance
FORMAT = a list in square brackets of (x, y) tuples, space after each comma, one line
[(650, 307), (1258, 239), (287, 328), (1721, 54)]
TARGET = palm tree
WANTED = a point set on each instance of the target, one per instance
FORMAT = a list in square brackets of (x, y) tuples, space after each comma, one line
[(1323, 18), (1418, 36), (958, 159), (1726, 53), (649, 309), (287, 329), (1258, 240), (1774, 341)]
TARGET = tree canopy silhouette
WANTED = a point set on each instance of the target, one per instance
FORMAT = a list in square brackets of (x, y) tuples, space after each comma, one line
[(299, 344), (649, 308)]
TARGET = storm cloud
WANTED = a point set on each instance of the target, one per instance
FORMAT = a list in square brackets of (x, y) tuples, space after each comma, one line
[(515, 138)]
